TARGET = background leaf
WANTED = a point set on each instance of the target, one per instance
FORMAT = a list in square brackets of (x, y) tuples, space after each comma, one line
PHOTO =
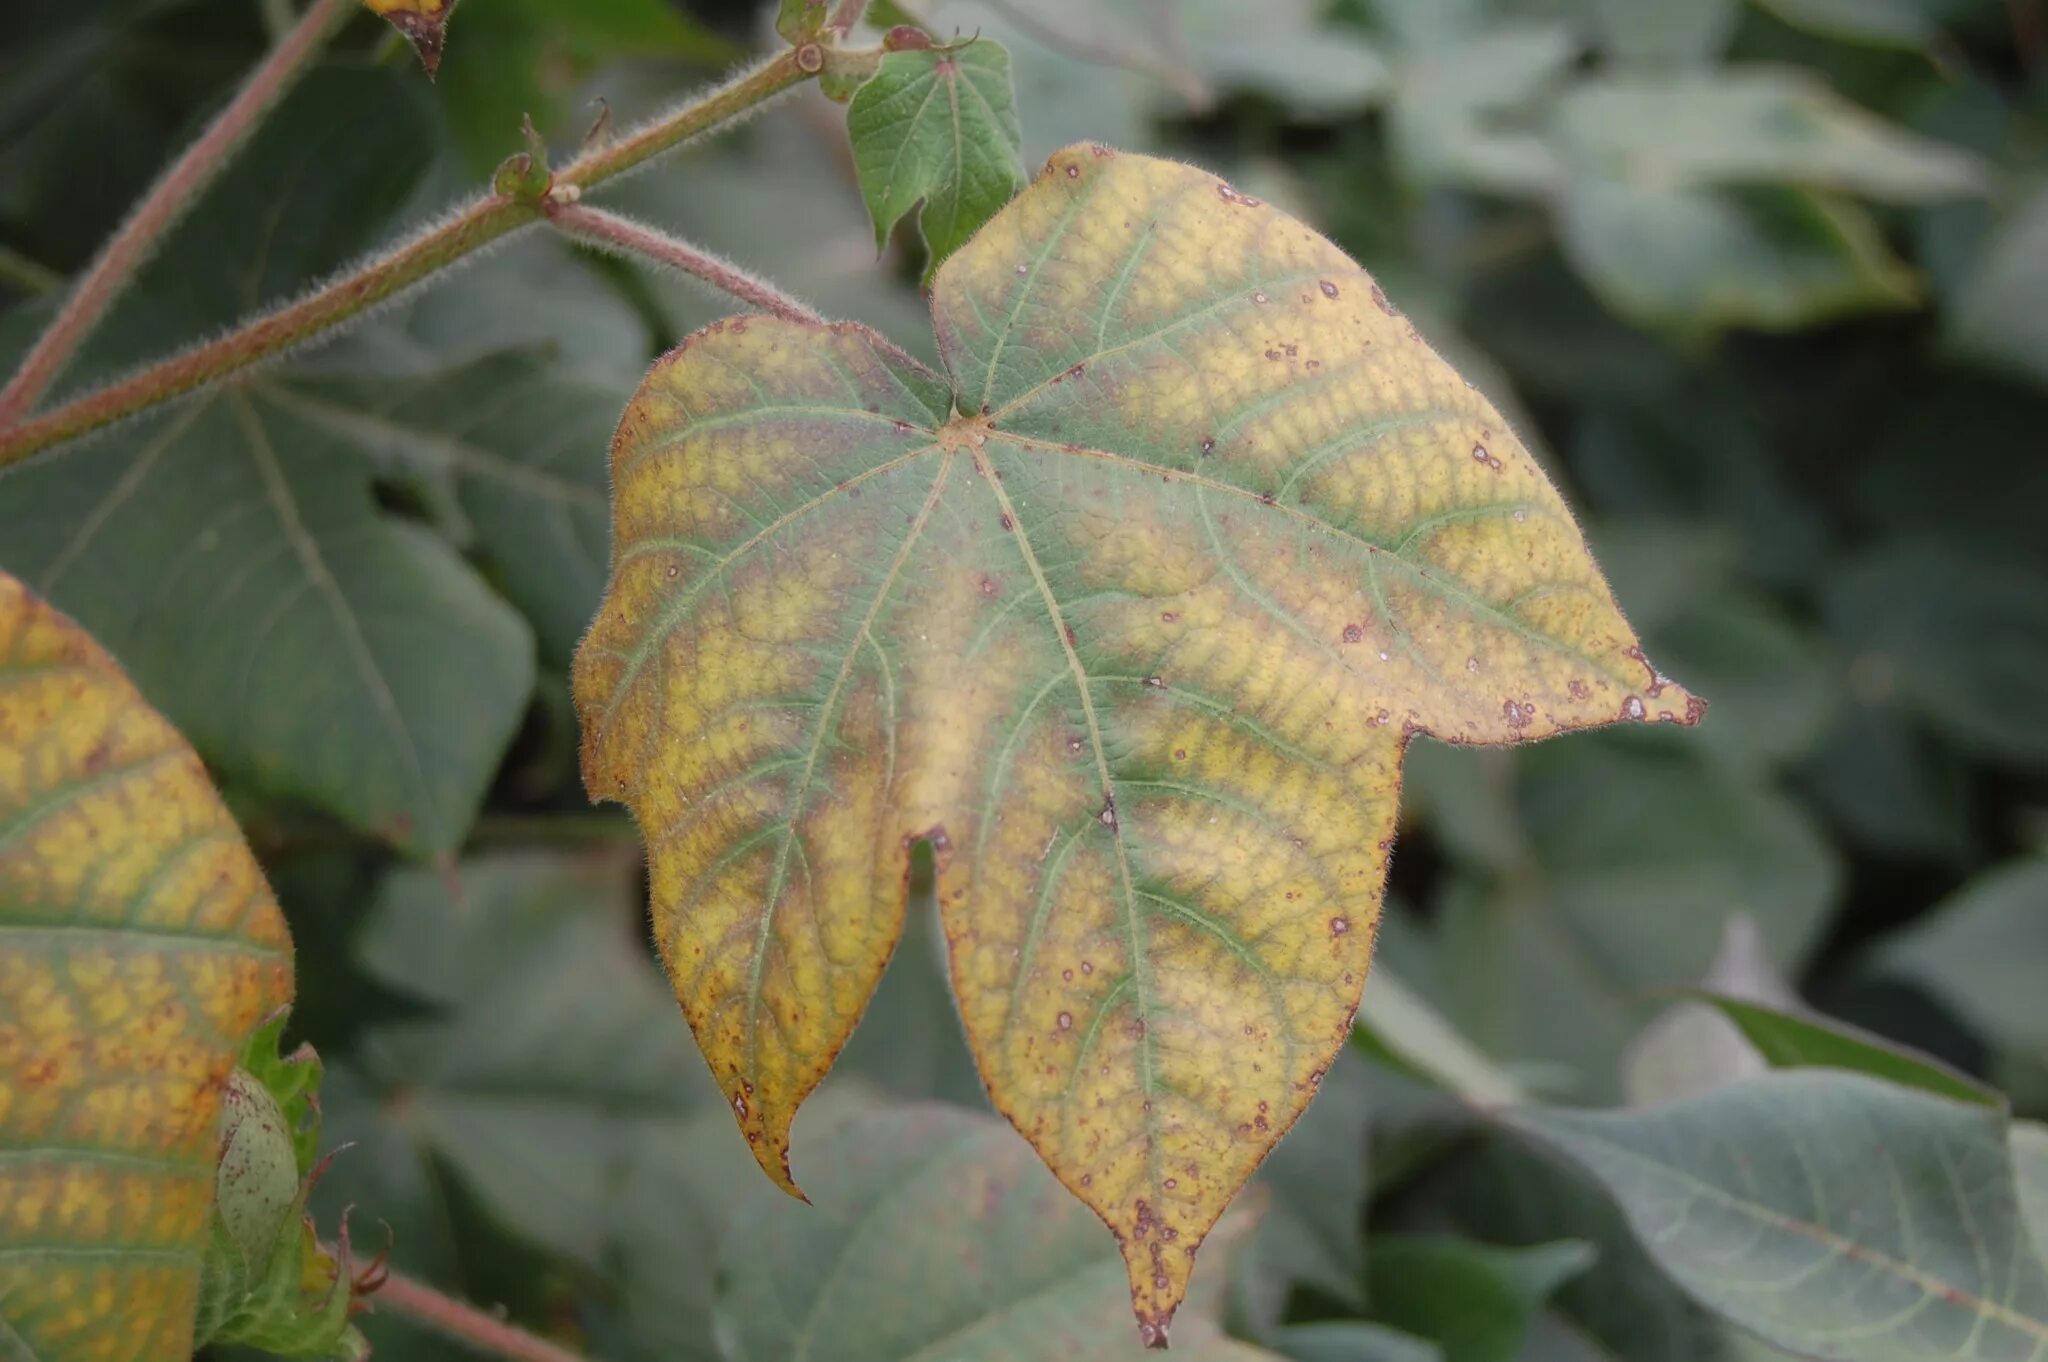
[(869, 1271), (1757, 1199), (311, 641)]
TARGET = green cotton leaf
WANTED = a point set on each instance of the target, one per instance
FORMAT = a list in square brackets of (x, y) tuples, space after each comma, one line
[(1454, 121), (287, 613), (1792, 1040), (798, 21), (2001, 317), (1749, 126), (1503, 1192), (1650, 32), (311, 638), (1700, 260), (938, 125), (535, 507), (1956, 636), (1980, 952), (2030, 1173), (1398, 1027), (1908, 24), (936, 1233), (1474, 1301), (1353, 1341), (547, 1042), (1833, 1215), (1557, 960)]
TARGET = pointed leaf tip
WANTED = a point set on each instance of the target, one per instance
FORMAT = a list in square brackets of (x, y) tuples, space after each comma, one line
[(423, 23)]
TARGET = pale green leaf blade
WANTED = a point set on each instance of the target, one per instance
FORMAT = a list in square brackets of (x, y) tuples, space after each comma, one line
[(1834, 1215), (1398, 1026), (936, 1235), (1789, 1039), (1700, 259), (237, 555), (1749, 126), (1981, 953)]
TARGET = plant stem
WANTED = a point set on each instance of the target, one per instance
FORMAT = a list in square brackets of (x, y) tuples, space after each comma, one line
[(132, 244), (611, 232), (483, 221), (465, 1323)]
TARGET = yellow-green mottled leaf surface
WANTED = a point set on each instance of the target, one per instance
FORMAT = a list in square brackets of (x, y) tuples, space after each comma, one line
[(1130, 614), (139, 947)]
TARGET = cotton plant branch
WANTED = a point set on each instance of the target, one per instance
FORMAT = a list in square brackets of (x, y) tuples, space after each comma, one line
[(623, 236), (471, 228), (485, 1333), (167, 199)]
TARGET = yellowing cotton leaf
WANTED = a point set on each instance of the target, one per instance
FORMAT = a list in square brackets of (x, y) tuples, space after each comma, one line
[(139, 947), (1131, 615)]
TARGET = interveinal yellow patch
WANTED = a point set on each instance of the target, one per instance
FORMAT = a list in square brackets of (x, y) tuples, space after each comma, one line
[(139, 947), (1131, 615)]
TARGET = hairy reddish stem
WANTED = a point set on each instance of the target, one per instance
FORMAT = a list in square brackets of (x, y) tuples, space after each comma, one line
[(132, 244), (465, 1323), (611, 232), (482, 222)]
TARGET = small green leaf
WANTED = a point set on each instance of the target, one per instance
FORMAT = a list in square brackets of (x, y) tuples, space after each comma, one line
[(1474, 1301), (938, 125), (1354, 1341), (1981, 952), (1790, 1040), (799, 21), (1834, 1215)]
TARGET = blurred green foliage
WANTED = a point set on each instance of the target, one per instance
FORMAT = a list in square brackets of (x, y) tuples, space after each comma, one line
[(1765, 283)]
